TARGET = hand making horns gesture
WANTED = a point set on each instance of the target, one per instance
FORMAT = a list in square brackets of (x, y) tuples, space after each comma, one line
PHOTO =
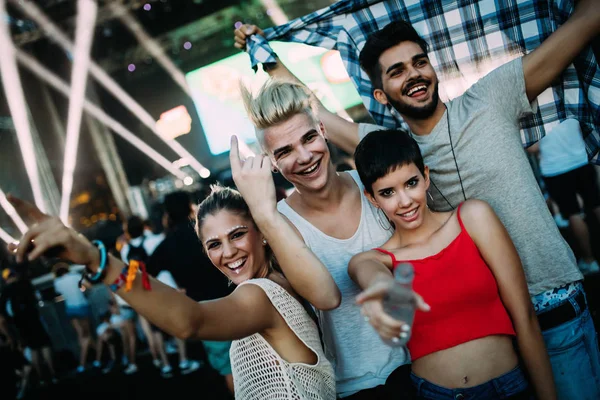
[(254, 180)]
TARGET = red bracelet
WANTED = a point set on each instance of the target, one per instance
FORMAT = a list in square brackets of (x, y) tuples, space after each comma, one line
[(120, 281)]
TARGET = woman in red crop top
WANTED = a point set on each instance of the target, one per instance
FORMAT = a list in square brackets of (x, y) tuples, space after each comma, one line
[(467, 270)]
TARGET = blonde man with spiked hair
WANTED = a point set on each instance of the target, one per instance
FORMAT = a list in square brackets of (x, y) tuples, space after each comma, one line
[(330, 212)]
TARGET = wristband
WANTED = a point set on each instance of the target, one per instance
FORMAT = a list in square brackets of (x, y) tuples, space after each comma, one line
[(120, 281), (101, 268)]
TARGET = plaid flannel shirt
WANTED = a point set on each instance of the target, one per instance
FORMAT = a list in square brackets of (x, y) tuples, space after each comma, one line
[(467, 39)]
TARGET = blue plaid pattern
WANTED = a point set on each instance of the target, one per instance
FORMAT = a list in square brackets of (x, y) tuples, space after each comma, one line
[(467, 39)]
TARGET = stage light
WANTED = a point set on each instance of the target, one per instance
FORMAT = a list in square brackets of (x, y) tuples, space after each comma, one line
[(147, 6), (131, 67), (187, 45), (149, 44), (182, 162), (205, 173), (54, 33), (84, 34), (6, 237), (17, 106), (51, 79), (12, 213), (174, 123), (188, 180)]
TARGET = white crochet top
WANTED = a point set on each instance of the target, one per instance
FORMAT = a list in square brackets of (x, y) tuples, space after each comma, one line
[(260, 373)]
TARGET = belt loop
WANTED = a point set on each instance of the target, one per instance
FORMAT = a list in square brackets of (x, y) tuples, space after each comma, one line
[(419, 388), (575, 304)]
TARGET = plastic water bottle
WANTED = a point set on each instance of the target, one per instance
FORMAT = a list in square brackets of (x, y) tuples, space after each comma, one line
[(400, 302)]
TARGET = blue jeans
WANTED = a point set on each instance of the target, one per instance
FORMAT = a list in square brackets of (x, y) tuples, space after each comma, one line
[(574, 355), (512, 385)]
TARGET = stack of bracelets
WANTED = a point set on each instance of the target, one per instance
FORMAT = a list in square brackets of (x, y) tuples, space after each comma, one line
[(127, 276)]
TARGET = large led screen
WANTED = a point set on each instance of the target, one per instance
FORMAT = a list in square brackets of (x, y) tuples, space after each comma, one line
[(215, 89)]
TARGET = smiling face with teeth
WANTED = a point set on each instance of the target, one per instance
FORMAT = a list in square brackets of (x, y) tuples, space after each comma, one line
[(234, 245), (402, 196), (297, 147), (409, 82)]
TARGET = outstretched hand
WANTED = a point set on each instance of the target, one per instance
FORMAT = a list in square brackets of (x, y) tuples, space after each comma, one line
[(46, 233), (254, 181), (242, 33), (371, 300)]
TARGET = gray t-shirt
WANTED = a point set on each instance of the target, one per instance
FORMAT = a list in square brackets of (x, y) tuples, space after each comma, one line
[(359, 357), (484, 124)]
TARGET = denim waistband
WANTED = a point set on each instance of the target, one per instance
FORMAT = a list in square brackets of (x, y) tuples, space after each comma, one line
[(552, 298), (502, 387)]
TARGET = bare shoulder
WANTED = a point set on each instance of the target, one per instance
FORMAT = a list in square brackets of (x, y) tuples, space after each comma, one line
[(250, 297), (476, 214)]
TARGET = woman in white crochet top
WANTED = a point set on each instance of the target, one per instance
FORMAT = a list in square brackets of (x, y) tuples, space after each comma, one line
[(276, 352)]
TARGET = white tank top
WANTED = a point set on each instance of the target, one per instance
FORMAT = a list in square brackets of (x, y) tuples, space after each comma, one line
[(360, 358), (68, 286), (260, 373)]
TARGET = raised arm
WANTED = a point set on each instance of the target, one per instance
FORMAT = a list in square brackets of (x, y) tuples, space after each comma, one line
[(546, 63), (499, 253), (305, 272), (341, 132), (244, 312)]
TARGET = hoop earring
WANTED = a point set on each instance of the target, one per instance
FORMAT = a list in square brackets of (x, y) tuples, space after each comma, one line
[(430, 197), (229, 282), (381, 223)]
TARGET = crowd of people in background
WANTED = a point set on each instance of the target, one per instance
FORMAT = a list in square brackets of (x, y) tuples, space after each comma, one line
[(111, 324)]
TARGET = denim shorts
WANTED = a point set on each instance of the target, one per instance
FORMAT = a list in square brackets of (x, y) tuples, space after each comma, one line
[(83, 311), (512, 385)]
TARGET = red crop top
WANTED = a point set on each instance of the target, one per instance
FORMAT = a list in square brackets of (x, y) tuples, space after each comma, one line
[(463, 295)]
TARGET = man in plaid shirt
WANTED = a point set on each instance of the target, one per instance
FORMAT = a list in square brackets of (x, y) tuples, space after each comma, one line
[(473, 147), (467, 40)]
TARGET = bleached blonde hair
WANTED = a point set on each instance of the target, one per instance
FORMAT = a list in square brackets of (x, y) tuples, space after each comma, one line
[(277, 101)]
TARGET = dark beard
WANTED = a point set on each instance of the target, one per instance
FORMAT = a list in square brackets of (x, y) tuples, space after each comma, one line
[(413, 112)]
